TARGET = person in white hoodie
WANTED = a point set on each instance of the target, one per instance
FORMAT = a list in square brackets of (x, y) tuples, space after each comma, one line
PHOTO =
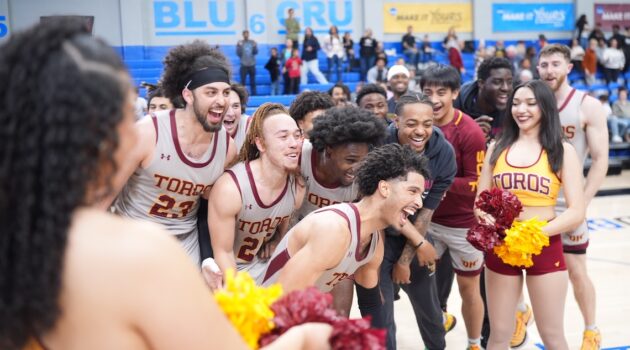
[(613, 61), (333, 47)]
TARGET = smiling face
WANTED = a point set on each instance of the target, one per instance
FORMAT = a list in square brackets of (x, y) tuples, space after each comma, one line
[(233, 114), (159, 104), (282, 141), (496, 88), (375, 103), (553, 70), (415, 125), (525, 110), (339, 96), (403, 198), (344, 161), (399, 84), (209, 104), (442, 98)]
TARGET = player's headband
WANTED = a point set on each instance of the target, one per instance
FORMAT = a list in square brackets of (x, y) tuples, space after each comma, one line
[(207, 76)]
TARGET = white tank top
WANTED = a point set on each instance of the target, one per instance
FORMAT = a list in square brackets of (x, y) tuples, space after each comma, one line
[(570, 115), (168, 190), (257, 221), (318, 195), (241, 132), (351, 261)]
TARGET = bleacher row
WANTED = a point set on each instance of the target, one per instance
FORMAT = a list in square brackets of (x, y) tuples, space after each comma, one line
[(149, 70)]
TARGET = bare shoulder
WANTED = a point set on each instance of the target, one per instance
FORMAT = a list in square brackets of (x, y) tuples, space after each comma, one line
[(592, 109), (326, 225)]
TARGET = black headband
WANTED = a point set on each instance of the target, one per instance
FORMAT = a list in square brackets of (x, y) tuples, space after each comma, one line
[(207, 76)]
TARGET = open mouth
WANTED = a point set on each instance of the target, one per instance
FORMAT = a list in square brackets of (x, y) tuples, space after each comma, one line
[(417, 141), (215, 117), (405, 213)]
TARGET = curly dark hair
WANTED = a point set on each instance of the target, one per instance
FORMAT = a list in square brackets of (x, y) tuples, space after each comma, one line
[(242, 93), (62, 97), (309, 101), (370, 89), (182, 60), (389, 162), (341, 125), (483, 72)]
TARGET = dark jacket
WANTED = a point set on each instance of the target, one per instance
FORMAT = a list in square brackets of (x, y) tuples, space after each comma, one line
[(273, 66), (467, 103), (313, 43)]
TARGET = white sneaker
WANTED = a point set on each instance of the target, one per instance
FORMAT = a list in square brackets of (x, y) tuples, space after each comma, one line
[(617, 139)]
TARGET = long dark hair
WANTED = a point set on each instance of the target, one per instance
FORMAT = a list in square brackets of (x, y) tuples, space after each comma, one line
[(61, 99), (550, 134)]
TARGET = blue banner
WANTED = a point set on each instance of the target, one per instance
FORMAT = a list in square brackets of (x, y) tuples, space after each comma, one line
[(539, 17)]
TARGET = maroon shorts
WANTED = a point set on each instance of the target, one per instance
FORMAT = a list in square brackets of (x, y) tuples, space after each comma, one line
[(551, 259)]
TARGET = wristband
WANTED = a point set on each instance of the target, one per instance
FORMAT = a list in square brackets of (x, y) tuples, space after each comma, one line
[(419, 245)]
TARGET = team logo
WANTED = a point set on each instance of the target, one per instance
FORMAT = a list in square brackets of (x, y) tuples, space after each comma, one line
[(576, 238), (167, 156), (469, 264), (248, 206)]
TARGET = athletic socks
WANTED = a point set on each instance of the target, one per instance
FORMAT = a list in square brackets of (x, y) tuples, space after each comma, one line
[(522, 307), (591, 327)]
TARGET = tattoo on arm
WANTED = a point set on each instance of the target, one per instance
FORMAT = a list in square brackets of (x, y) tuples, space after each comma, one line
[(407, 255), (421, 224)]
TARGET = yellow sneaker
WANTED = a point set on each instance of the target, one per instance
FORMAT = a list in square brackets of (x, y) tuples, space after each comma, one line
[(449, 322), (474, 347), (591, 340), (523, 319)]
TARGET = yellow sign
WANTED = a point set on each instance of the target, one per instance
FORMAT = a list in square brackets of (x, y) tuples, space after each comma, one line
[(426, 18)]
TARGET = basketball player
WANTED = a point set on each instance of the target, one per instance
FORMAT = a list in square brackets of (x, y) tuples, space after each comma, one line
[(339, 140), (307, 106), (236, 121), (584, 124), (181, 152), (250, 205), (335, 242)]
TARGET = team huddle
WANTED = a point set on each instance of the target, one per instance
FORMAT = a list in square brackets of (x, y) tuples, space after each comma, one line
[(353, 200)]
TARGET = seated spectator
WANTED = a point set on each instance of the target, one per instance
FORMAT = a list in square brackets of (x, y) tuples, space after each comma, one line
[(378, 73), (409, 47), (426, 50), (620, 117)]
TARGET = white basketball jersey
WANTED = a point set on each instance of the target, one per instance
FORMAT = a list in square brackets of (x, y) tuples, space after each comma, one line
[(168, 190), (257, 221), (241, 132), (570, 113), (318, 195), (351, 261)]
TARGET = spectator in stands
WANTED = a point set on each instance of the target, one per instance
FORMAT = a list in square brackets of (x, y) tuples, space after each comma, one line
[(620, 119), (542, 41), (577, 56), (378, 73), (140, 104), (426, 50), (340, 94), (524, 76), (621, 39), (307, 106), (409, 47), (613, 60), (589, 63), (455, 56), (285, 54), (294, 69), (333, 47), (310, 62), (450, 39), (367, 52), (157, 100), (580, 28), (247, 50), (292, 27), (348, 46), (486, 98), (398, 80), (380, 52), (596, 33), (500, 48), (273, 66), (374, 98)]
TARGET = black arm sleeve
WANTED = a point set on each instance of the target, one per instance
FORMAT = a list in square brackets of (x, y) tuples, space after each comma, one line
[(370, 303)]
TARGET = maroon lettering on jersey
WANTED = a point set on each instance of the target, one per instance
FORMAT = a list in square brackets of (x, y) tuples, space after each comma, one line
[(525, 182)]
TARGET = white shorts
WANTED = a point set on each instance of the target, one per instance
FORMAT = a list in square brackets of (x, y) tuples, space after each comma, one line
[(466, 260), (256, 268), (575, 241)]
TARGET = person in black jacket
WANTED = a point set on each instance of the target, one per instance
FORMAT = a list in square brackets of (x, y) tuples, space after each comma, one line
[(409, 259), (309, 58), (273, 66), (367, 52), (486, 98)]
